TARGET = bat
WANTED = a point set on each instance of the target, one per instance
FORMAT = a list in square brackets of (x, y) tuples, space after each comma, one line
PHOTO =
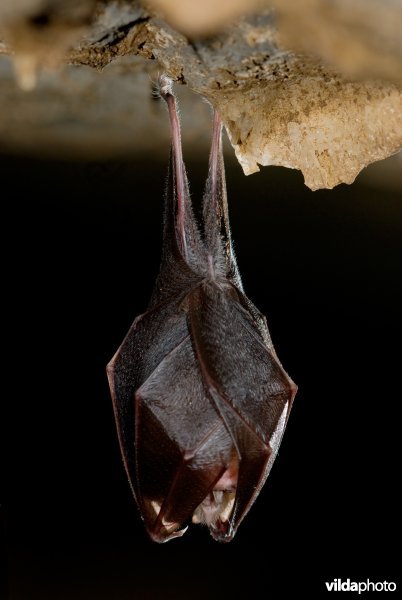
[(200, 398)]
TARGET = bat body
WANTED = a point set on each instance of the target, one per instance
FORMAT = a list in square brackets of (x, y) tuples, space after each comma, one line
[(200, 398)]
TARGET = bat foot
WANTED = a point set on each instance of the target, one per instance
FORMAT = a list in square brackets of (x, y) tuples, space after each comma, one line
[(165, 85)]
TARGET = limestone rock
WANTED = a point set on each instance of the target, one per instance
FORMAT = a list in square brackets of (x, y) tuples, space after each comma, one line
[(280, 107)]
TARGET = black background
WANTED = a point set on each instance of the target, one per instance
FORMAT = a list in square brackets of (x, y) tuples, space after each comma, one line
[(83, 252)]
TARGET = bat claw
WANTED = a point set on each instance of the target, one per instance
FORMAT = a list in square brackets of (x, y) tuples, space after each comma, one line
[(165, 86)]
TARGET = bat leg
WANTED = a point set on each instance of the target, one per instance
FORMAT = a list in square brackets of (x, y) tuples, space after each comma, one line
[(166, 92), (216, 151), (217, 234)]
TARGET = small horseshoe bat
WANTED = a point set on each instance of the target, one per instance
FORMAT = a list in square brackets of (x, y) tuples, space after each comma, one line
[(200, 398)]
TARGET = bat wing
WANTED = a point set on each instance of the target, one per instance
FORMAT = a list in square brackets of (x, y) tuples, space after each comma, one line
[(151, 337), (173, 441), (247, 384), (182, 445)]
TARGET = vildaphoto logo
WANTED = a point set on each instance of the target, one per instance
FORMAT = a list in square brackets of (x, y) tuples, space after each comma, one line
[(337, 585)]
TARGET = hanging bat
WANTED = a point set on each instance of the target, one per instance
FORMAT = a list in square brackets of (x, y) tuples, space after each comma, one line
[(200, 398)]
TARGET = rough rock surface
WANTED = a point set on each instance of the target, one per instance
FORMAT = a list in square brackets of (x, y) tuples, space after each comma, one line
[(279, 107)]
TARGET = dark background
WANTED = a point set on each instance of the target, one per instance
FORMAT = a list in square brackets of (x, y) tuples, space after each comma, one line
[(325, 267)]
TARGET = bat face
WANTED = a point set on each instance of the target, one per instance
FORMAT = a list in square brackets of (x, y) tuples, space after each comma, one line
[(200, 398)]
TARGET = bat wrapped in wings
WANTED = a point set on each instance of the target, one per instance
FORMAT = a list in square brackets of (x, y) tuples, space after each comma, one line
[(200, 398)]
